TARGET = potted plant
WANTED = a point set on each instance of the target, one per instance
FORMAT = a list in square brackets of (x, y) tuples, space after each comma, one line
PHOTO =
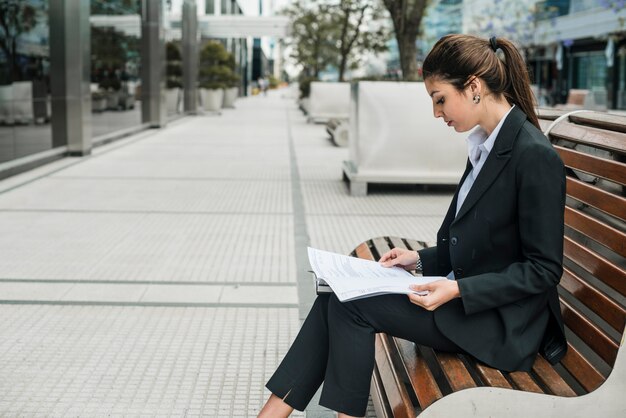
[(174, 74), (98, 101), (214, 75), (112, 87), (232, 84)]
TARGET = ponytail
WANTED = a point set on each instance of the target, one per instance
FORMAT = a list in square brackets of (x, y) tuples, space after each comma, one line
[(518, 87), (456, 58)]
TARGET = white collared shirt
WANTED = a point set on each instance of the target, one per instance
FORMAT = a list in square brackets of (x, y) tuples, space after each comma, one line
[(479, 145)]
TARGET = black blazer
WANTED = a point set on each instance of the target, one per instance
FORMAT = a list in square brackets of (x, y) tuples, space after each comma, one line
[(505, 248)]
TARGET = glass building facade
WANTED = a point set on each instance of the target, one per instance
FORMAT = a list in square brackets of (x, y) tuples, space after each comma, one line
[(25, 110), (120, 66)]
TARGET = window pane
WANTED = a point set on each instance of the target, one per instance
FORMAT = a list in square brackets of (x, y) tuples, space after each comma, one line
[(24, 79), (115, 65)]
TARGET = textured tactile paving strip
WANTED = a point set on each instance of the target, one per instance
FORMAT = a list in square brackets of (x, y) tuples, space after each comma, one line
[(86, 361)]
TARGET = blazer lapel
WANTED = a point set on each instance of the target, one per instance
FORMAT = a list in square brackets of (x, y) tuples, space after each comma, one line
[(498, 158)]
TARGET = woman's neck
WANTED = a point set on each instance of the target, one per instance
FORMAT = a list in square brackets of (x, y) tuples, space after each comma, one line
[(493, 114)]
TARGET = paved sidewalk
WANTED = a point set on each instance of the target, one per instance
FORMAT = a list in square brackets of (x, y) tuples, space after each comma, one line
[(166, 274)]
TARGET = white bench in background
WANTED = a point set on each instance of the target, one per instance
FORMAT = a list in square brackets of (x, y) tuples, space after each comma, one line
[(328, 100), (394, 138)]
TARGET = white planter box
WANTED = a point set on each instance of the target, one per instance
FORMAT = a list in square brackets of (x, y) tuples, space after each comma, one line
[(230, 95), (173, 100), (212, 99), (394, 138)]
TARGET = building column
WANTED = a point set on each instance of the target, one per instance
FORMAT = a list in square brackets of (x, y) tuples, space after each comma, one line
[(70, 75), (190, 56), (153, 106)]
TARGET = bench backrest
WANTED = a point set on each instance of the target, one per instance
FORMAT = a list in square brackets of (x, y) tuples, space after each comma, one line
[(593, 286)]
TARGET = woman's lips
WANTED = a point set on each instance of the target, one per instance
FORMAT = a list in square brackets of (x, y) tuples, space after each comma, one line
[(449, 123)]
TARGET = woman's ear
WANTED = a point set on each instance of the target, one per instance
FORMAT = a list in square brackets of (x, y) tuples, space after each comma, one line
[(474, 85)]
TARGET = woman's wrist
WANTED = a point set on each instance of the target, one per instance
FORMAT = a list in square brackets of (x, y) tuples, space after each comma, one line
[(418, 263)]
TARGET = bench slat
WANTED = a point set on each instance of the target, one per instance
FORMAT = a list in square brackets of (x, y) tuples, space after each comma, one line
[(594, 137), (455, 371), (415, 245), (596, 265), (378, 398), (601, 304), (421, 377), (593, 336), (607, 202), (600, 120), (395, 390), (397, 242), (598, 231), (363, 251), (381, 246), (551, 379), (608, 169), (525, 382), (583, 371), (492, 377)]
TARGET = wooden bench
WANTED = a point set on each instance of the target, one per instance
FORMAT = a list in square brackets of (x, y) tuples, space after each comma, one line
[(410, 379)]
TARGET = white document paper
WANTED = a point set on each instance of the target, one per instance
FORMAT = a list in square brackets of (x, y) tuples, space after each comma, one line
[(353, 278)]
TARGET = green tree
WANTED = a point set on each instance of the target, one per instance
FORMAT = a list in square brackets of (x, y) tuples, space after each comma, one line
[(311, 27), (406, 16), (335, 33), (358, 29), (16, 18)]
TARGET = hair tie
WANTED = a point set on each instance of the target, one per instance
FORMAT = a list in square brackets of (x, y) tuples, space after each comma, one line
[(494, 43)]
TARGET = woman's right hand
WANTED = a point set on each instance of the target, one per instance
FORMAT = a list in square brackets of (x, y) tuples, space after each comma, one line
[(400, 257)]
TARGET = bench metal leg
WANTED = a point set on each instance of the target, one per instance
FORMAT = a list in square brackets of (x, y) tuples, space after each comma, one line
[(358, 188)]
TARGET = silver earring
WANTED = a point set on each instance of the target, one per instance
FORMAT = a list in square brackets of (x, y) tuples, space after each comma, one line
[(476, 98)]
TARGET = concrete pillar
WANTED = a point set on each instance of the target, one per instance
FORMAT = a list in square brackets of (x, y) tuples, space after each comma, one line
[(190, 56), (153, 105), (70, 75)]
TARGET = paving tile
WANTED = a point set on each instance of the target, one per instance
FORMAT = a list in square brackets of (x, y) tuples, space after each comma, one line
[(260, 294), (182, 294)]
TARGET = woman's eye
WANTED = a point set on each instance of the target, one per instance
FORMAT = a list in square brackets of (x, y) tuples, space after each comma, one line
[(440, 101)]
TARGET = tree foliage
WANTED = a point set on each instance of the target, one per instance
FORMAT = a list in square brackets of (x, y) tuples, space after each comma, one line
[(406, 16), (514, 20), (216, 67), (174, 68), (337, 33)]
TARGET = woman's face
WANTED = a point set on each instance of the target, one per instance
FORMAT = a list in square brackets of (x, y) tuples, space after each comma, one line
[(456, 108)]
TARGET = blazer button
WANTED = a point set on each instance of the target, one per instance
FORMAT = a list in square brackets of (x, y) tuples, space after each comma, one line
[(453, 240), (458, 272)]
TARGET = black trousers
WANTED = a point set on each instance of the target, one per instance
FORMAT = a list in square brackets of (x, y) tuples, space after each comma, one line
[(336, 346)]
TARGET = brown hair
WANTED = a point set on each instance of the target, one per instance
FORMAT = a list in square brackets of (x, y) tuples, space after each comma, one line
[(456, 59)]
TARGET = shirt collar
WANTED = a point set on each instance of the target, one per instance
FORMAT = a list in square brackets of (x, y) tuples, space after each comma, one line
[(479, 141)]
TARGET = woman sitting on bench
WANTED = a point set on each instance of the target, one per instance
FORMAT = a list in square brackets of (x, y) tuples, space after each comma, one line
[(499, 248)]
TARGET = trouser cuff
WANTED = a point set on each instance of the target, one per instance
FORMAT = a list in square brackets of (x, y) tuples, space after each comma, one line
[(348, 403), (285, 388)]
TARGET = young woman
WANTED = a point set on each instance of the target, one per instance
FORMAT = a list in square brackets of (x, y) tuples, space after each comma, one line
[(499, 248)]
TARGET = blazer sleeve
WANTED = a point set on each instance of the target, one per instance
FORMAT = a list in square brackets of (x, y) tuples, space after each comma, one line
[(540, 183)]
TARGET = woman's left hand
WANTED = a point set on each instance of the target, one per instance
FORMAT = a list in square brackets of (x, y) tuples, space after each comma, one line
[(438, 293)]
